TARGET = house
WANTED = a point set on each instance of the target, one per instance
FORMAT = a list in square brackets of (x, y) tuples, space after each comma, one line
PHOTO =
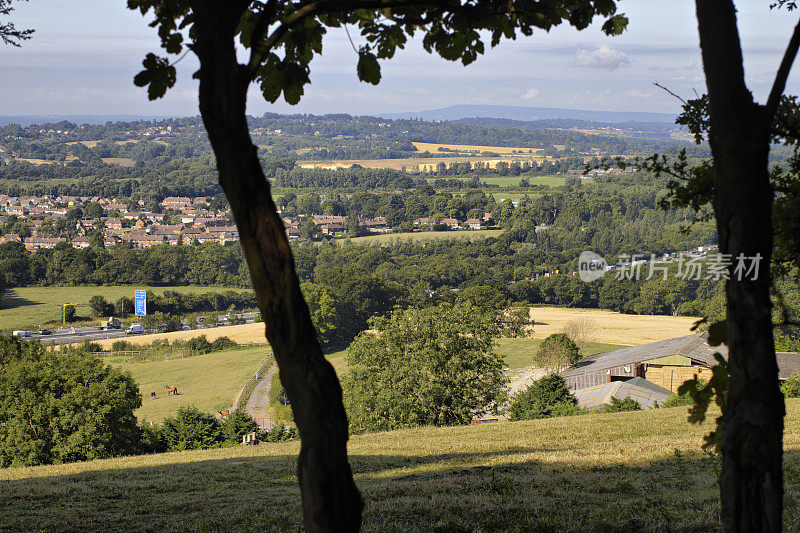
[(38, 243), (425, 221), (454, 223), (176, 202), (114, 223), (668, 364), (81, 241), (474, 223), (375, 225), (10, 237)]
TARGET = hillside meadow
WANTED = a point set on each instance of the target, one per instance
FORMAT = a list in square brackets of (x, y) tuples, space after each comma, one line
[(209, 382), (603, 472), (29, 307)]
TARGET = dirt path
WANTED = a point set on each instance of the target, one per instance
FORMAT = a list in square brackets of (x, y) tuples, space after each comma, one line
[(258, 404), (520, 379)]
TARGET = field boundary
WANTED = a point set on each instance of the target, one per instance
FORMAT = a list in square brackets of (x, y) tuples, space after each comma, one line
[(240, 401)]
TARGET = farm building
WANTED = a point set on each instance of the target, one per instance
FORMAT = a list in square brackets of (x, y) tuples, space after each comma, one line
[(666, 363), (646, 393)]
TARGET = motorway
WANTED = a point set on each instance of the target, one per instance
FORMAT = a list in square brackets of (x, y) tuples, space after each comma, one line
[(94, 333)]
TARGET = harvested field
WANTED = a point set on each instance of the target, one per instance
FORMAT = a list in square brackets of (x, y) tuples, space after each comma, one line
[(242, 334), (611, 327)]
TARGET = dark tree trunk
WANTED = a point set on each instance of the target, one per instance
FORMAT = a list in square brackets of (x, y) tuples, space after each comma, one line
[(751, 482), (331, 501)]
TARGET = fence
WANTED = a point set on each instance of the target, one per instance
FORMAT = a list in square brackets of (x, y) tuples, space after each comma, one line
[(248, 388)]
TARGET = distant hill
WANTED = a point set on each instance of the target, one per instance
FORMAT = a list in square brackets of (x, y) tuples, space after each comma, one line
[(27, 120), (456, 112)]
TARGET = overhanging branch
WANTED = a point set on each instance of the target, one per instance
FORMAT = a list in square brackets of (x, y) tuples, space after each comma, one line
[(783, 72)]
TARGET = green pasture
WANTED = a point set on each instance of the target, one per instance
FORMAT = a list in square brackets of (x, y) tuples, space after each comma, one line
[(630, 471), (32, 307)]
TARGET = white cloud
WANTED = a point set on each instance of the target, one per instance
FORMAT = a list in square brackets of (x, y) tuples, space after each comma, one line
[(602, 57), (530, 94)]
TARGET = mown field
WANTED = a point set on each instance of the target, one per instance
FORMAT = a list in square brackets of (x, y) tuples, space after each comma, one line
[(505, 150), (635, 471), (423, 236), (242, 334), (29, 307), (209, 382)]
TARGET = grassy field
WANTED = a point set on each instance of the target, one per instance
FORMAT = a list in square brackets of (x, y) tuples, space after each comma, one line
[(209, 382), (423, 236), (27, 307), (635, 471), (505, 150), (518, 353)]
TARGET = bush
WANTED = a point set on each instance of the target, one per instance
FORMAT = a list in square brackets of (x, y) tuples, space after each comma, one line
[(238, 424), (61, 407), (121, 346), (222, 343), (191, 429), (558, 351), (791, 387), (617, 405), (676, 400), (280, 433), (544, 398)]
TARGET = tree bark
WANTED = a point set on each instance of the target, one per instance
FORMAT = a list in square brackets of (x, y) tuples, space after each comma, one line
[(751, 481), (331, 501)]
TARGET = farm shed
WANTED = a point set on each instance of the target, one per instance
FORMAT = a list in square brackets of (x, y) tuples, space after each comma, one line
[(666, 363), (641, 390)]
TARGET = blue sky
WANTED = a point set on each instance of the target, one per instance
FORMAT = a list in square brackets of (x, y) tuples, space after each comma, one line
[(85, 53)]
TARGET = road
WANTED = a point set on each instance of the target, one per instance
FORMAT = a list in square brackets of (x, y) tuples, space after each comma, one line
[(258, 404), (93, 333)]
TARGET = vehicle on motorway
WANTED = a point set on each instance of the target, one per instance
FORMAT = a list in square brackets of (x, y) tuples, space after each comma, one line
[(135, 329), (44, 331), (111, 323), (21, 333)]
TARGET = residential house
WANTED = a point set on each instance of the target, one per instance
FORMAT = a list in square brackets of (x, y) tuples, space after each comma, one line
[(38, 243)]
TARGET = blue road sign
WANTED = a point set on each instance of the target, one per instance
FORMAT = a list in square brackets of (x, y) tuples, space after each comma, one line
[(140, 302)]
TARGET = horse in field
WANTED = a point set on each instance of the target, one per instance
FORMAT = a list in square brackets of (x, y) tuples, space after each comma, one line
[(171, 390), (225, 413), (152, 395)]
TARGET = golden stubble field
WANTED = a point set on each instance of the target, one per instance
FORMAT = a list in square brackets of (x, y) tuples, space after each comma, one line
[(611, 327), (242, 334)]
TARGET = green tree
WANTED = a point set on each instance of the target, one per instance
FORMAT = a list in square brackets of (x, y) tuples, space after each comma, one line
[(237, 425), (62, 407), (617, 405), (322, 308), (191, 429), (544, 398), (424, 366), (100, 307), (69, 313), (283, 38), (558, 351)]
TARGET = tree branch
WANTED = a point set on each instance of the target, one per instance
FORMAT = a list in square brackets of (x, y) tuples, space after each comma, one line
[(783, 72)]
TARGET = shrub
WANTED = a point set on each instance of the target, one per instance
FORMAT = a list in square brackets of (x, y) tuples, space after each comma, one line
[(791, 387), (238, 424), (121, 346), (617, 405), (57, 407), (558, 351), (280, 433), (676, 400), (191, 429), (544, 398), (222, 343)]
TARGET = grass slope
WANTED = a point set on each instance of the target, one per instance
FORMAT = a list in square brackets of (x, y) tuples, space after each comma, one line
[(619, 471), (26, 307), (518, 353), (209, 382)]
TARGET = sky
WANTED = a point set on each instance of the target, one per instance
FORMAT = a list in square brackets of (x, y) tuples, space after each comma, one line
[(84, 55)]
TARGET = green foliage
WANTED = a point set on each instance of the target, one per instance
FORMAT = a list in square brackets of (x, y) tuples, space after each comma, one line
[(278, 400), (715, 389), (424, 366), (544, 398), (69, 313), (791, 387), (280, 433), (191, 429), (63, 407), (558, 351), (617, 405), (322, 308), (236, 425), (283, 38), (100, 307)]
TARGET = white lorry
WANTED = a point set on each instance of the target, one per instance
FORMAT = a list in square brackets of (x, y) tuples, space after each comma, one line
[(135, 329)]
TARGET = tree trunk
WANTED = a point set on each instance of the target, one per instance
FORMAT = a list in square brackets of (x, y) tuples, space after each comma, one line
[(751, 482), (331, 501)]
